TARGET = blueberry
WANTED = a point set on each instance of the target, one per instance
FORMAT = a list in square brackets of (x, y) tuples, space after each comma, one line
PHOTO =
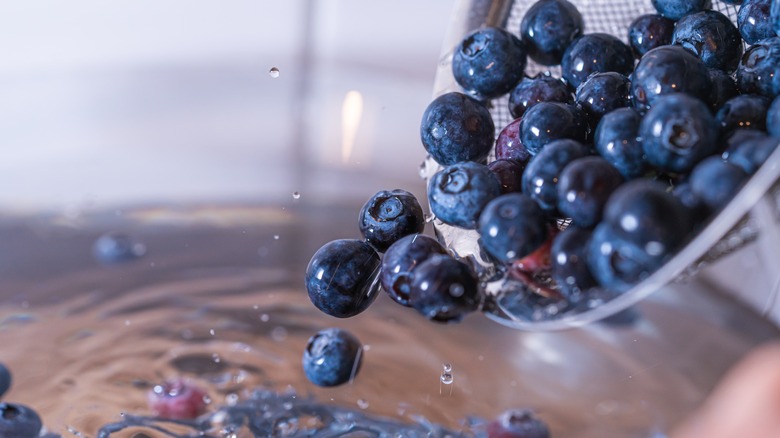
[(602, 93), (643, 212), (332, 357), (774, 16), (716, 181), (508, 144), (542, 88), (759, 70), (116, 247), (649, 31), (458, 193), (699, 210), (745, 111), (678, 132), (549, 121), (569, 266), (677, 9), (511, 227), (541, 175), (177, 399), (584, 187), (617, 141), (773, 118), (724, 87), (444, 289), (548, 27), (509, 174), (751, 152), (754, 20), (456, 128), (712, 37), (19, 421), (489, 62), (388, 216), (618, 263), (400, 261), (341, 277), (5, 379), (666, 70), (517, 423), (594, 53)]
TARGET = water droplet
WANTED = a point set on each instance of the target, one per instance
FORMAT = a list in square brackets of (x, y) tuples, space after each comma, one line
[(264, 317), (212, 332), (274, 72), (231, 399), (279, 334), (446, 378), (447, 367), (362, 403), (456, 290), (296, 195), (276, 237), (215, 357)]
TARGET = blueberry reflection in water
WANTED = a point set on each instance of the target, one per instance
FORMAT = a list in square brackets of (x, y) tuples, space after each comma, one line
[(117, 247)]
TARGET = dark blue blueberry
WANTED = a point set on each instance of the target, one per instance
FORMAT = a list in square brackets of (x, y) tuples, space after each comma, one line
[(569, 262), (388, 216), (649, 31), (595, 53), (618, 263), (489, 62), (19, 421), (511, 227), (716, 181), (542, 88), (724, 87), (548, 27), (541, 175), (774, 16), (458, 193), (754, 20), (509, 173), (456, 128), (699, 210), (676, 9), (116, 247), (332, 357), (668, 70), (517, 423), (602, 93), (712, 37), (583, 188), (549, 121), (759, 71), (5, 379), (617, 141), (341, 277), (508, 144), (444, 289), (678, 132), (773, 118), (745, 111), (643, 212), (750, 152), (400, 261)]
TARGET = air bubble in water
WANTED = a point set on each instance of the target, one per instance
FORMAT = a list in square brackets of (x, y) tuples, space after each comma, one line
[(296, 195), (362, 404), (274, 72), (447, 367)]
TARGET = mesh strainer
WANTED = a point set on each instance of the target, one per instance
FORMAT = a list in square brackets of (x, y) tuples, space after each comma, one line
[(739, 249)]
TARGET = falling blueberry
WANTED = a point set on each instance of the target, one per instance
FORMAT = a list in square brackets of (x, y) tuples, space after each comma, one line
[(332, 357)]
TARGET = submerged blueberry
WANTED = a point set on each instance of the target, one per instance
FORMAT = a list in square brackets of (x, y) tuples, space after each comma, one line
[(712, 37), (444, 289), (457, 194), (5, 379), (677, 9), (549, 121), (668, 70), (595, 53), (716, 181), (457, 128), (517, 423), (543, 171), (332, 357), (569, 266), (489, 62), (116, 247), (583, 188), (341, 277), (754, 20), (759, 71), (388, 216), (649, 31), (19, 421), (678, 132), (511, 227), (542, 88), (548, 27), (400, 261), (177, 399), (617, 141)]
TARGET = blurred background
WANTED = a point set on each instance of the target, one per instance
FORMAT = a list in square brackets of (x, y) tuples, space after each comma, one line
[(138, 102)]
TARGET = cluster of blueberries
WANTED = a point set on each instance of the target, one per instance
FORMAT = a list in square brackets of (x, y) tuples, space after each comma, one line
[(17, 420)]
